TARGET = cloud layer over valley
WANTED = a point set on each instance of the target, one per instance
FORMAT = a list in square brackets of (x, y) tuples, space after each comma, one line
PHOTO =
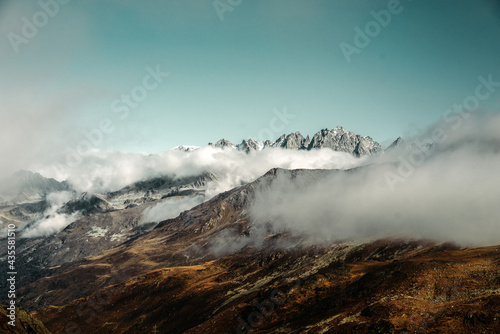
[(110, 171)]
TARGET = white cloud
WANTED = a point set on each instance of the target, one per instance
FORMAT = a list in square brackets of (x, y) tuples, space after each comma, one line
[(52, 221), (108, 171), (452, 196), (170, 208), (100, 172)]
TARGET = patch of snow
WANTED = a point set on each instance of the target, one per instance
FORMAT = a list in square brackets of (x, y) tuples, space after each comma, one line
[(116, 236), (97, 232)]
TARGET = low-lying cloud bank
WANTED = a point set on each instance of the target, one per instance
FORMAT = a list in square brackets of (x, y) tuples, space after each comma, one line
[(101, 172), (170, 208), (52, 221), (449, 191), (109, 171)]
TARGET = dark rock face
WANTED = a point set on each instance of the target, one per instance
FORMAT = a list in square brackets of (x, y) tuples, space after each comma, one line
[(294, 141), (396, 144), (342, 140), (159, 188), (87, 204), (250, 145)]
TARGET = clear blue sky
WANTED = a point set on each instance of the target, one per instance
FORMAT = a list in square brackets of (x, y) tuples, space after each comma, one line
[(226, 77)]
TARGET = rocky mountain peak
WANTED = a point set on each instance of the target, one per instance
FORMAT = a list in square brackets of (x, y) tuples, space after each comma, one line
[(186, 148), (342, 140), (338, 139), (250, 145), (397, 143), (222, 143)]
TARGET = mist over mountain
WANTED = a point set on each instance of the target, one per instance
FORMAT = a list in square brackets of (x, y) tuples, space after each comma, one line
[(442, 191), (28, 187), (102, 171), (374, 200), (250, 167), (225, 203)]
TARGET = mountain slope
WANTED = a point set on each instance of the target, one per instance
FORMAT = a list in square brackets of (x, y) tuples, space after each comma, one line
[(189, 239), (380, 287), (103, 223), (198, 273)]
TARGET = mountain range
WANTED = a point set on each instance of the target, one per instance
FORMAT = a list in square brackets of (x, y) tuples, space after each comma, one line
[(167, 254), (337, 139), (23, 195), (209, 271)]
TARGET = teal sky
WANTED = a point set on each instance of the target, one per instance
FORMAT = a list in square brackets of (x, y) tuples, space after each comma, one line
[(226, 77)]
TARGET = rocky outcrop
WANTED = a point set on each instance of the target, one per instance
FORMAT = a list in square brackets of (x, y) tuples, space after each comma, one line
[(341, 140), (337, 139)]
